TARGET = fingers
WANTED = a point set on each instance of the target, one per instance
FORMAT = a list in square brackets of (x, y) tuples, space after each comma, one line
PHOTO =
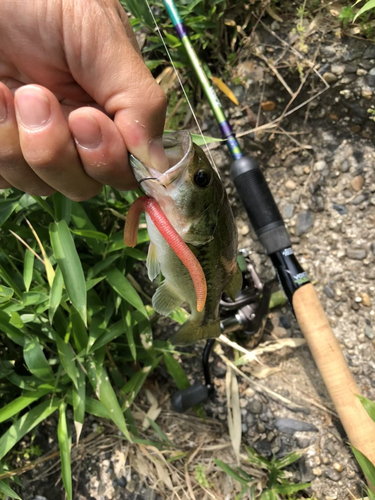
[(47, 145), (111, 70), (14, 170), (101, 148)]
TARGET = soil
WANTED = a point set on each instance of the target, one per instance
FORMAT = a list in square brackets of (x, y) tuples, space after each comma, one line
[(319, 162)]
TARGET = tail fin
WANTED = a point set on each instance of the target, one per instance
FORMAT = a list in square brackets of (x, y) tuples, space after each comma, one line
[(193, 330)]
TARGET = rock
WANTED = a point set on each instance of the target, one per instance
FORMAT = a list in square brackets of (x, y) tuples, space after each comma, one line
[(263, 447), (320, 165), (341, 209), (370, 80), (245, 230), (369, 53), (255, 406), (366, 93), (290, 184), (330, 77), (284, 322), (305, 220), (290, 426), (329, 292), (357, 182), (366, 301), (332, 475), (288, 211), (338, 69), (331, 448), (356, 253), (317, 471), (369, 333), (359, 199), (344, 166), (339, 467)]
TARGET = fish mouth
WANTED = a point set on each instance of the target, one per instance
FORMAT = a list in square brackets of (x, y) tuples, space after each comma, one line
[(178, 147)]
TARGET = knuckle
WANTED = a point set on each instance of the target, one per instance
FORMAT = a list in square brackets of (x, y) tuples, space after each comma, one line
[(83, 196), (40, 191)]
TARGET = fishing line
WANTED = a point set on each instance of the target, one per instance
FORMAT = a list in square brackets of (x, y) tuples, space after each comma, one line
[(157, 29)]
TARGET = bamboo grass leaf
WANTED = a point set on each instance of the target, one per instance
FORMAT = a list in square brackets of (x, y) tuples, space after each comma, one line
[(65, 445), (122, 286), (28, 268), (287, 489), (56, 293), (128, 324), (105, 393), (6, 293), (177, 372), (25, 424), (18, 404), (79, 399), (89, 233), (6, 490), (36, 361), (67, 357), (63, 207), (79, 330), (231, 472), (71, 268), (369, 406), (367, 467)]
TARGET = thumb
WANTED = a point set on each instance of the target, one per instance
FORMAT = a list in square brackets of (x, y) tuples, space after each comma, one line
[(104, 59)]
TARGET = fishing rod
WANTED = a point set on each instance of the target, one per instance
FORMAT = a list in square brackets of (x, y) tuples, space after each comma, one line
[(271, 231)]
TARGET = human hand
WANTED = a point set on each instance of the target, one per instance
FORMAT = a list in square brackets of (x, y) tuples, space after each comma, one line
[(67, 67)]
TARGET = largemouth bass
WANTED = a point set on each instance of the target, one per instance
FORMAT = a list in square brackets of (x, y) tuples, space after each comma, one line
[(191, 196)]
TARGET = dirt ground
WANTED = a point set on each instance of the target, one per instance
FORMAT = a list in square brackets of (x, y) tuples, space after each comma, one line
[(319, 161)]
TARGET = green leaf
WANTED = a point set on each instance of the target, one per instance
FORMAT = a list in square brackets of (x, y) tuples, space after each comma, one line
[(71, 268), (368, 5), (177, 372), (122, 286), (128, 323), (25, 424), (369, 406), (63, 207), (7, 207), (367, 467), (13, 333), (152, 64), (134, 385), (6, 294), (108, 335), (56, 293), (16, 320), (95, 407), (20, 403), (79, 331), (180, 315), (9, 281), (102, 386), (36, 361), (200, 140), (100, 266), (79, 399), (287, 489), (6, 490), (89, 233), (45, 205), (28, 268), (288, 460), (67, 357), (231, 472), (65, 445)]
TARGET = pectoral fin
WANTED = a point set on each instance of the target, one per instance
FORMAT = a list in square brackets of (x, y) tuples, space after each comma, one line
[(152, 263), (235, 285), (166, 299), (193, 330)]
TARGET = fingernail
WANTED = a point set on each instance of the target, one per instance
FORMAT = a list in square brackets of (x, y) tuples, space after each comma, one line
[(32, 107), (158, 158), (86, 131), (3, 106)]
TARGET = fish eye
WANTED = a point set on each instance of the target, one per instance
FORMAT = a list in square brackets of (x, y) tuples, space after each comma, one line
[(202, 178)]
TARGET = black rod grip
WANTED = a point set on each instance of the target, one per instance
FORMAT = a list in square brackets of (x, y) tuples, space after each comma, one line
[(187, 398), (259, 204)]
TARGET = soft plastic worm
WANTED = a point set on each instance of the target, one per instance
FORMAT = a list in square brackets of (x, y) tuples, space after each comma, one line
[(174, 240)]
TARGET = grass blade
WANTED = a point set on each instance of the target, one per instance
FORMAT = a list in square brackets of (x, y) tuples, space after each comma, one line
[(79, 399), (67, 357), (63, 207), (231, 472), (288, 459), (367, 467), (70, 264), (108, 335), (369, 406), (6, 490), (28, 268), (36, 361), (122, 286), (290, 488), (56, 293), (65, 445), (25, 424), (79, 330), (20, 403), (106, 395), (177, 372), (127, 319)]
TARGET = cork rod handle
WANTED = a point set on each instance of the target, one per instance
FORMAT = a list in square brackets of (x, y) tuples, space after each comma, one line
[(334, 370)]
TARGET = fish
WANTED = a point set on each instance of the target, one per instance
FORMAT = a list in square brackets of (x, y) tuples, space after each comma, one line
[(189, 199)]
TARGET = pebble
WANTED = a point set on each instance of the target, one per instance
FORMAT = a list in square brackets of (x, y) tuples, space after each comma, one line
[(245, 230), (255, 406), (344, 166), (290, 426), (366, 301), (357, 182), (305, 220), (332, 475), (359, 199), (356, 253), (330, 77), (290, 184), (288, 211), (341, 209), (329, 292), (284, 322), (317, 471), (339, 467), (369, 332), (338, 69), (320, 165)]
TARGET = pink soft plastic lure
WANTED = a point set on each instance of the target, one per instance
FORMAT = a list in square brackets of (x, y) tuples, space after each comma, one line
[(174, 240)]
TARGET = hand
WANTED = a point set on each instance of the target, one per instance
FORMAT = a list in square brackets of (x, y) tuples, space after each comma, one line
[(75, 97)]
